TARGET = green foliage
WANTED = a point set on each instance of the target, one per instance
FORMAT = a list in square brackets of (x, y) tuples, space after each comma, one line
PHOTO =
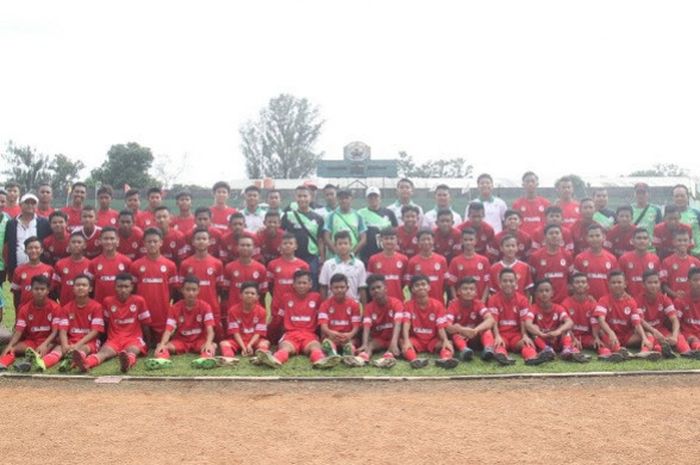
[(661, 170), (280, 143), (64, 172), (126, 164), (442, 168), (30, 168)]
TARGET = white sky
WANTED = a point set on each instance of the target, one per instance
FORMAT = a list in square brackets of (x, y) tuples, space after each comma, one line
[(596, 87)]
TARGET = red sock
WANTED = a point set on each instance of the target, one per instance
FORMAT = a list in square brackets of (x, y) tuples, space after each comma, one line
[(92, 361), (501, 350), (603, 351), (445, 353), (616, 348), (205, 354), (695, 345), (227, 350), (540, 343), (316, 355), (132, 358), (165, 353), (487, 338), (388, 355), (282, 356), (51, 358), (7, 360), (682, 344), (459, 342), (364, 356), (528, 352), (410, 354), (567, 343)]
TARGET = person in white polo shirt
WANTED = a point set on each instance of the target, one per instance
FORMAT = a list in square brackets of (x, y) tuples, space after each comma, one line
[(494, 207), (404, 192), (442, 202), (344, 263), (253, 213)]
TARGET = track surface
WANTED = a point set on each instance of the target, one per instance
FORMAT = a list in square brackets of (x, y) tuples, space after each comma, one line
[(632, 420)]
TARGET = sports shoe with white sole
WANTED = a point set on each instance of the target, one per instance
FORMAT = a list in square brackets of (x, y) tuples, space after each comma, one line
[(204, 363), (25, 366), (384, 362), (614, 357), (579, 357), (488, 354), (667, 350), (447, 363), (419, 363), (503, 359), (124, 362), (348, 349), (466, 355), (267, 359), (326, 363), (650, 355), (353, 361), (328, 348), (222, 361), (35, 359), (157, 363)]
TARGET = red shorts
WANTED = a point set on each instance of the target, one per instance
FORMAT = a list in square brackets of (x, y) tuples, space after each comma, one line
[(33, 343), (380, 342), (586, 340), (299, 339), (91, 347), (260, 342), (121, 344), (184, 347), (421, 345), (511, 340), (275, 330)]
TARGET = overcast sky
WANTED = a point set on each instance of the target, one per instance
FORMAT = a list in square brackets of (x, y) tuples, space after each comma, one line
[(596, 87)]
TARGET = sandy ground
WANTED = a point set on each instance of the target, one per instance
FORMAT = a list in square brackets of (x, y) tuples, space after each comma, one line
[(632, 420)]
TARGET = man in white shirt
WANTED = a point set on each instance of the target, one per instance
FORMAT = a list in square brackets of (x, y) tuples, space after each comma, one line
[(404, 192), (494, 207), (253, 213), (442, 202)]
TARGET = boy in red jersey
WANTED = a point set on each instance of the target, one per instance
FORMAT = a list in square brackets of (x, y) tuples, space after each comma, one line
[(202, 217), (484, 232), (429, 264), (241, 270), (68, 268), (658, 315), (106, 216), (247, 324), (553, 215), (551, 325), (389, 263), (618, 322), (156, 279), (80, 322), (210, 272), (133, 203), (174, 246), (675, 267), (130, 237), (423, 328), (510, 309), (509, 250), (56, 244), (105, 268), (148, 216), (127, 319), (220, 212), (184, 220), (619, 239), (299, 311), (511, 227), (339, 318), (468, 319), (91, 232), (470, 263), (35, 331), (21, 284), (596, 262), (381, 325), (78, 193), (188, 329), (553, 263), (664, 233), (228, 250), (280, 271), (530, 205), (579, 230), (688, 308), (638, 261), (569, 207), (270, 237), (447, 238), (407, 233), (581, 306)]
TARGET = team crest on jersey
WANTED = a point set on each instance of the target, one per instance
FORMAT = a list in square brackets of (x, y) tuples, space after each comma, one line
[(30, 317), (331, 310), (379, 266), (399, 265), (132, 308), (114, 308), (256, 274), (142, 269), (24, 276), (628, 310), (483, 238), (479, 266), (199, 318), (555, 317), (278, 269), (523, 209), (312, 304), (182, 319), (585, 263), (562, 262), (134, 245), (290, 304), (521, 247), (572, 311), (437, 267), (236, 273), (675, 266), (472, 315), (650, 265), (99, 267), (431, 317), (120, 267), (163, 268), (71, 316), (417, 267), (608, 265), (65, 271), (631, 265), (113, 220), (51, 249), (348, 310), (210, 271), (172, 244), (543, 262), (540, 208)]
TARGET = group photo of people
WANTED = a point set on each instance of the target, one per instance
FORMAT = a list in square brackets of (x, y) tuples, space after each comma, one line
[(342, 277)]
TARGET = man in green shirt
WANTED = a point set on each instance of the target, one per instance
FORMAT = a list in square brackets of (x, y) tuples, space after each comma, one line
[(344, 218), (689, 215), (307, 227), (376, 219), (4, 219), (644, 214)]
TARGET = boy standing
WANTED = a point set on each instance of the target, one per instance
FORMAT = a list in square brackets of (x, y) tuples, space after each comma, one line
[(280, 271), (344, 263), (23, 275), (389, 263), (106, 216), (184, 220), (596, 262), (639, 261), (471, 264), (56, 245), (429, 264), (675, 267), (530, 205), (220, 212), (484, 232), (67, 269), (553, 262), (105, 268), (407, 232)]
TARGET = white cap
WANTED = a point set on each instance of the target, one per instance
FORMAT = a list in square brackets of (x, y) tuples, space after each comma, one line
[(28, 196), (373, 190)]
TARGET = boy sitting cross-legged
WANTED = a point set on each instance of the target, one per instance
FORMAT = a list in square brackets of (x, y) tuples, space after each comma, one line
[(467, 319), (247, 324), (339, 318), (381, 324)]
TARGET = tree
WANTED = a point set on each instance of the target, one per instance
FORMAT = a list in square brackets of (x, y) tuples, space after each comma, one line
[(64, 172), (661, 170), (166, 171), (25, 166), (280, 144), (442, 168), (126, 164)]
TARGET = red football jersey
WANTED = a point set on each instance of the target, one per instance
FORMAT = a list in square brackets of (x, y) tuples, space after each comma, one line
[(104, 271), (154, 280), (145, 219), (570, 211), (107, 218), (299, 313), (247, 324), (622, 315), (65, 271), (508, 311), (547, 319), (174, 246), (567, 240), (484, 236), (269, 245), (22, 279), (655, 310), (215, 237), (210, 272), (634, 266), (619, 240), (674, 271), (55, 248), (523, 275), (132, 245), (12, 212), (43, 213), (688, 310), (78, 320), (596, 267), (124, 319), (394, 269), (407, 241), (189, 324), (381, 319), (236, 273), (435, 268), (579, 231), (280, 274), (448, 245), (532, 212), (663, 238), (36, 322), (75, 220), (220, 216), (581, 311), (468, 314), (553, 266), (184, 224), (228, 250), (477, 266), (425, 321), (522, 238), (92, 242), (340, 316)]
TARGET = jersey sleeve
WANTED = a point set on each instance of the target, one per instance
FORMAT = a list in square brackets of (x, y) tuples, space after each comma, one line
[(144, 315), (21, 320), (207, 315), (16, 283), (441, 316), (356, 317), (324, 276), (323, 312), (171, 320), (261, 325), (98, 323), (60, 320)]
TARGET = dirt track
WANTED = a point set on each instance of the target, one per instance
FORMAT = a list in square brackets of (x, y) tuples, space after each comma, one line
[(582, 421)]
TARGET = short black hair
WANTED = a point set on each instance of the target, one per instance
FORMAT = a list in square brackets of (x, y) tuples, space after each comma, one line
[(339, 278), (220, 185)]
